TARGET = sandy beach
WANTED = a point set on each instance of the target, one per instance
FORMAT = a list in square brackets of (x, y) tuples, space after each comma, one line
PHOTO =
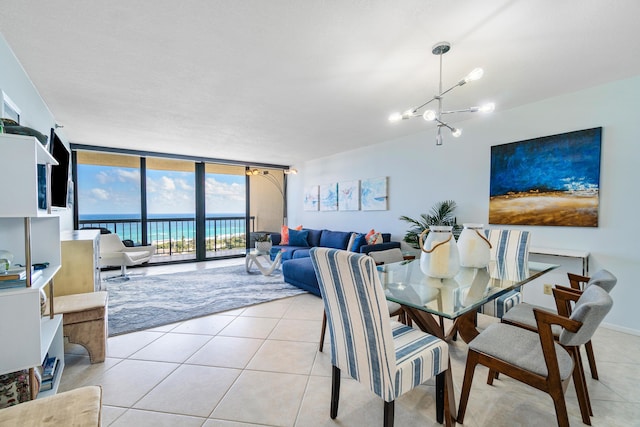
[(555, 208)]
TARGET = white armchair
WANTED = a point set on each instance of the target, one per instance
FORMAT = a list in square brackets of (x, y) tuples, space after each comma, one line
[(113, 253)]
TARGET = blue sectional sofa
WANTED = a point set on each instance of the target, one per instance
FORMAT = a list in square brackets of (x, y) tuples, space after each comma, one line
[(296, 263)]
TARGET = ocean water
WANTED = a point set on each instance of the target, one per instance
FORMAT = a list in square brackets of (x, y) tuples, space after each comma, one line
[(165, 227)]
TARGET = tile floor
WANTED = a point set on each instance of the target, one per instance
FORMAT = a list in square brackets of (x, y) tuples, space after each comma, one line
[(259, 366)]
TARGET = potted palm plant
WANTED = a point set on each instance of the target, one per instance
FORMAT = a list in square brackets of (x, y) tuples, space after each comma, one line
[(440, 214)]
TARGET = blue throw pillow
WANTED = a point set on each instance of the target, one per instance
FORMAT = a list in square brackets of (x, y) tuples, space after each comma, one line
[(298, 238), (358, 241)]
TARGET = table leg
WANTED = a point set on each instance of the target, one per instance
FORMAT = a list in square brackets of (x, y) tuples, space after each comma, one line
[(267, 269), (466, 326)]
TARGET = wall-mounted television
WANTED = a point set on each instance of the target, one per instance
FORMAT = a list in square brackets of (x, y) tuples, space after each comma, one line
[(60, 172)]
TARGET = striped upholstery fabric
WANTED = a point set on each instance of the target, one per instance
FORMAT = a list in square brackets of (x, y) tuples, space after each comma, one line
[(387, 356), (510, 250)]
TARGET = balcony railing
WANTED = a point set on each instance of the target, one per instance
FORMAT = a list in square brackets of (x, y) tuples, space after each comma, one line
[(176, 236)]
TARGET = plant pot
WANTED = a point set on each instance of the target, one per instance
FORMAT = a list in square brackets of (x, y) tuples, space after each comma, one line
[(263, 247)]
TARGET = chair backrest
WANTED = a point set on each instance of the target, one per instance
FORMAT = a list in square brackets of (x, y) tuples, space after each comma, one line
[(111, 243), (590, 309), (510, 251), (604, 279), (387, 256), (358, 317)]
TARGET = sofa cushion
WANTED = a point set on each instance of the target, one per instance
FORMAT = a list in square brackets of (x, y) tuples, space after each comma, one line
[(301, 253), (284, 234), (358, 241), (299, 272), (298, 238), (287, 251), (313, 238), (334, 239)]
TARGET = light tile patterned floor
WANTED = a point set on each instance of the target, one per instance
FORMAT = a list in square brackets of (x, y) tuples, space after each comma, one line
[(259, 366)]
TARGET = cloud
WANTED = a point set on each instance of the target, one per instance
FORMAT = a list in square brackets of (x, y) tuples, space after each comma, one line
[(167, 183), (103, 177), (125, 175), (100, 194)]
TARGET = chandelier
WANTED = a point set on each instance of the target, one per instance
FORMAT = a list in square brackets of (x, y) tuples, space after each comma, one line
[(437, 114)]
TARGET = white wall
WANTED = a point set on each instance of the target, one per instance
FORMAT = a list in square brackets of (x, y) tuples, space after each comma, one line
[(421, 174), (35, 114)]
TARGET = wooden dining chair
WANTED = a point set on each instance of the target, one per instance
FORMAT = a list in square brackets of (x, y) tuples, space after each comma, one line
[(534, 358), (387, 356), (522, 315)]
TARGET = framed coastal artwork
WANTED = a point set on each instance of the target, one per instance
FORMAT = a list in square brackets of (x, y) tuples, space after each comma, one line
[(552, 180), (373, 194), (310, 198), (329, 197), (349, 195)]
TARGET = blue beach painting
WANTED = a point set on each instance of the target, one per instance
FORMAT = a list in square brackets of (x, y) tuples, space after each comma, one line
[(373, 194), (552, 180)]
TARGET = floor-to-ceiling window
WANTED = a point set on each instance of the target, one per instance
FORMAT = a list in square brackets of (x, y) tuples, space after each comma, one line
[(108, 193), (225, 205), (171, 206), (190, 209)]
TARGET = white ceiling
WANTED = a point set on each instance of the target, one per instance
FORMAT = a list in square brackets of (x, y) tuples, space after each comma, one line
[(284, 81)]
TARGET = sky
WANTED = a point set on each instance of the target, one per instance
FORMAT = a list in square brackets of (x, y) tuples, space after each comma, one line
[(116, 190)]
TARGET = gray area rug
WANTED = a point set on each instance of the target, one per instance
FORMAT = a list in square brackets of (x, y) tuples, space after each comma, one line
[(145, 302)]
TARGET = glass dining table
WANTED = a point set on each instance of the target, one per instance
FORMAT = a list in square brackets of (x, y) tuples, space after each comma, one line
[(427, 301)]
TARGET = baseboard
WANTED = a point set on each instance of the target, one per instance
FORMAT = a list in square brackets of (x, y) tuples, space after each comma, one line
[(617, 328)]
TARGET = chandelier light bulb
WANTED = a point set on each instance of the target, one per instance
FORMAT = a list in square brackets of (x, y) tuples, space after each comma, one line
[(456, 132), (487, 108), (429, 115), (408, 114), (474, 75), (395, 117)]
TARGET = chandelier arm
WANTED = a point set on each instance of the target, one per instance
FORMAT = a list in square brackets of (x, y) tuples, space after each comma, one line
[(426, 103), (466, 110), (441, 123)]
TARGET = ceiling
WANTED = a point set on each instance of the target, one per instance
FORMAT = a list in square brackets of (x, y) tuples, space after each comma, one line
[(284, 81)]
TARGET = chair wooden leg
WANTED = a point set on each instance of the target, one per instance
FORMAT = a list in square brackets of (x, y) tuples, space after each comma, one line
[(581, 387), (472, 361), (493, 375), (389, 409), (561, 408), (592, 360), (335, 391), (580, 370), (323, 331)]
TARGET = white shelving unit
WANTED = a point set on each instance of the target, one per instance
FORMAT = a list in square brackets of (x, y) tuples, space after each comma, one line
[(33, 236)]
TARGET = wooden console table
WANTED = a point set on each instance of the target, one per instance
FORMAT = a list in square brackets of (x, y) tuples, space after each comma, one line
[(566, 253)]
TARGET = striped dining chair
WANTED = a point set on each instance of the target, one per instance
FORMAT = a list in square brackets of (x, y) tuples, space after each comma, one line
[(510, 251), (387, 356)]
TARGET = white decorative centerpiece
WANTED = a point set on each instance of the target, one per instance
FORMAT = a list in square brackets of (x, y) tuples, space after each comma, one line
[(263, 243), (439, 257), (473, 246)]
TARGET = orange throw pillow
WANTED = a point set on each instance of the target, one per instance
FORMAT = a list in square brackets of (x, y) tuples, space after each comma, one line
[(284, 234)]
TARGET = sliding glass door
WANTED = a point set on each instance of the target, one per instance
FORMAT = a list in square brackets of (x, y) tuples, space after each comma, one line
[(171, 207), (225, 210)]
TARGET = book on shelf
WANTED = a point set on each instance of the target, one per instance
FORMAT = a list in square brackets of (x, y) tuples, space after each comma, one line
[(14, 278), (49, 368), (46, 385)]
